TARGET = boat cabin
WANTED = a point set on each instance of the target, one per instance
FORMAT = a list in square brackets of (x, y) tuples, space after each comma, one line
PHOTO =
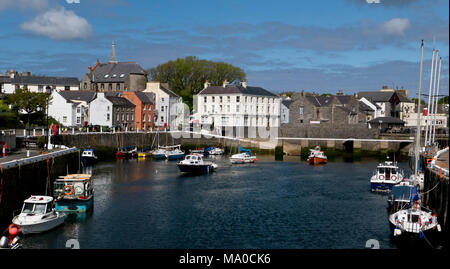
[(74, 186), (37, 205), (387, 169), (88, 153), (194, 159)]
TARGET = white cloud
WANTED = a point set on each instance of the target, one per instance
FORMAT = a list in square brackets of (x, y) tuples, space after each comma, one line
[(24, 4), (396, 26), (59, 24)]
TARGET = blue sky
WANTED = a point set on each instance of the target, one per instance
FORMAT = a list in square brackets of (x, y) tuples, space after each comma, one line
[(320, 46)]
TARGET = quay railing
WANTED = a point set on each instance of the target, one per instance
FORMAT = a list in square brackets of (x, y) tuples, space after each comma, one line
[(442, 168), (38, 158)]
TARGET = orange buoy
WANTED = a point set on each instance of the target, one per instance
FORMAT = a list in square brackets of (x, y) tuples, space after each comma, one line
[(13, 230)]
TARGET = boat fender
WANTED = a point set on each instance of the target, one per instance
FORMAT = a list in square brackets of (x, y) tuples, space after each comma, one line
[(68, 190), (397, 232), (4, 242), (421, 234), (438, 227), (13, 230)]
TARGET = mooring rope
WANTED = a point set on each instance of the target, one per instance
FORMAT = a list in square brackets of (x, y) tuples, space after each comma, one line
[(430, 189)]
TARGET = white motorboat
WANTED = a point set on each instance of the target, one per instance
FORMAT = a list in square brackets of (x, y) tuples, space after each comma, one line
[(413, 221), (194, 163), (216, 151), (38, 215), (243, 157), (386, 176)]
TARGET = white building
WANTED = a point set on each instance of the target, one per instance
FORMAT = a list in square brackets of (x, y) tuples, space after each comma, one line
[(13, 81), (168, 112), (70, 108), (237, 106), (284, 113), (112, 110), (440, 118)]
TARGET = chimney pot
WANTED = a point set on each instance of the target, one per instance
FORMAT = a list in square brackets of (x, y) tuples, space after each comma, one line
[(244, 84), (225, 83)]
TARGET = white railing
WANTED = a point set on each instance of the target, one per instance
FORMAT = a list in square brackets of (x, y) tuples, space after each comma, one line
[(434, 166), (37, 158)]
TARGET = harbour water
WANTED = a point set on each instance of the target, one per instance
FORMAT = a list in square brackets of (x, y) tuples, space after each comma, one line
[(271, 204)]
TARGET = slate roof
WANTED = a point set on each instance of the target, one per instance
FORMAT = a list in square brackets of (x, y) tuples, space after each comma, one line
[(120, 101), (376, 96), (115, 72), (286, 102), (5, 79), (165, 88), (344, 99), (364, 107), (231, 89), (389, 120), (145, 97), (320, 101), (86, 96), (44, 80)]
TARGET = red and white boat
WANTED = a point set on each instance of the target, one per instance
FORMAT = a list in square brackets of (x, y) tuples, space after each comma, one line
[(316, 156)]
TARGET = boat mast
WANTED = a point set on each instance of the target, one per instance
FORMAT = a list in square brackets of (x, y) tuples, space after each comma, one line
[(433, 97), (429, 99), (437, 99), (418, 129)]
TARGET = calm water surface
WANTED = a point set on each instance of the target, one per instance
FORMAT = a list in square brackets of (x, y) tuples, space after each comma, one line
[(269, 204)]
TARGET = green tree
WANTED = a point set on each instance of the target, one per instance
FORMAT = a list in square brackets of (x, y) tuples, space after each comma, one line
[(443, 100), (186, 76), (29, 103)]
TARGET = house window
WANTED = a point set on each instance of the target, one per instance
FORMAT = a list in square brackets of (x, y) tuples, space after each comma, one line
[(102, 86), (220, 99), (107, 108), (205, 109), (213, 99), (162, 118), (162, 108), (228, 108), (64, 119), (78, 110), (118, 86), (78, 120), (107, 116), (67, 88), (228, 99), (162, 100), (237, 99), (85, 86), (237, 108), (301, 110), (205, 99), (221, 108)]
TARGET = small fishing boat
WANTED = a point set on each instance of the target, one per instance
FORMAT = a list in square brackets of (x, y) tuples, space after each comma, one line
[(38, 215), (413, 222), (214, 151), (386, 176), (126, 153), (316, 156), (10, 238), (243, 157), (88, 157), (402, 196), (74, 193), (159, 154), (144, 153), (194, 163), (197, 151), (174, 153)]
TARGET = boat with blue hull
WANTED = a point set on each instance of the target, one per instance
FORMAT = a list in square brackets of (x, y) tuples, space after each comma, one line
[(74, 193), (195, 164), (174, 153), (386, 176)]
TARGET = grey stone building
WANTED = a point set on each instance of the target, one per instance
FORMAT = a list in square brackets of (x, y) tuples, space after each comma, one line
[(114, 76)]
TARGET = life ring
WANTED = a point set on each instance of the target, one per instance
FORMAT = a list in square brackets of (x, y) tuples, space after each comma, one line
[(394, 177), (380, 177), (68, 192)]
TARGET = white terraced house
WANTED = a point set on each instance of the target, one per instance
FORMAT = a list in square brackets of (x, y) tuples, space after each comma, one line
[(237, 106)]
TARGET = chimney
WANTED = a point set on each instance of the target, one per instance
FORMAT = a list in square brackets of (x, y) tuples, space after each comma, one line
[(225, 83), (355, 95), (25, 73), (339, 93), (302, 93), (244, 84), (206, 84)]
